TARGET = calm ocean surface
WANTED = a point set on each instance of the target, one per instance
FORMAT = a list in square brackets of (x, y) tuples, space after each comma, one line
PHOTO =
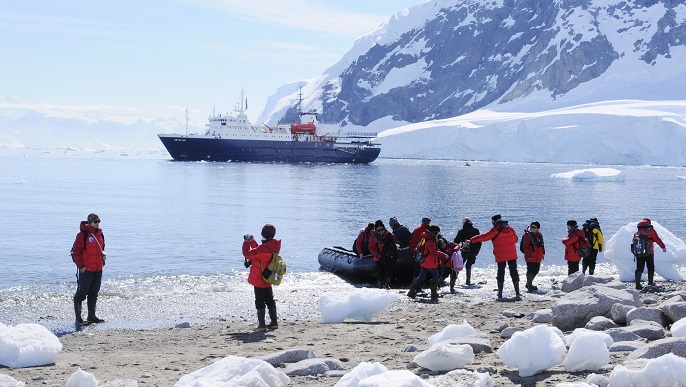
[(174, 229)]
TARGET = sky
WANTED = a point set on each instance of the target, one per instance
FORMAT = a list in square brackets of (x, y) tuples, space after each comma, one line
[(146, 59)]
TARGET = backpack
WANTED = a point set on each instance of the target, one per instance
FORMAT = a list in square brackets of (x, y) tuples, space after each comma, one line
[(589, 226), (640, 245), (274, 272), (456, 261), (583, 247), (85, 240), (389, 250), (534, 242), (419, 256)]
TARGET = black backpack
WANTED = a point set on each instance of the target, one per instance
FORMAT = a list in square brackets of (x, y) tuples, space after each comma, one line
[(640, 245), (85, 240), (534, 242), (389, 250)]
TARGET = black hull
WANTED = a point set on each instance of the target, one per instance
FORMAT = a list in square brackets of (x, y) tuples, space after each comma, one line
[(185, 148), (345, 263)]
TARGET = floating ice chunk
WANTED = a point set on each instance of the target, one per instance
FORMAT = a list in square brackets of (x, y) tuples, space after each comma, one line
[(533, 350), (666, 370), (360, 372), (618, 250), (679, 328), (452, 331), (681, 177), (27, 345), (8, 381), (445, 356), (81, 378), (592, 175), (235, 371), (588, 351), (361, 304)]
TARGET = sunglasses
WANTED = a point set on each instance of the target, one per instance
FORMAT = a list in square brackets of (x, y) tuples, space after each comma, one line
[(533, 227), (96, 221)]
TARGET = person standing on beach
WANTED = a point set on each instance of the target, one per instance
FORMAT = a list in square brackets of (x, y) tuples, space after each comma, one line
[(645, 255), (361, 245), (469, 251), (417, 234), (260, 257), (447, 266), (430, 265), (383, 247), (575, 238), (504, 239), (534, 252), (595, 237), (88, 253), (402, 234)]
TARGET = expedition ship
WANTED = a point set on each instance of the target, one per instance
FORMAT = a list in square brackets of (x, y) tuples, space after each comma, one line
[(233, 138)]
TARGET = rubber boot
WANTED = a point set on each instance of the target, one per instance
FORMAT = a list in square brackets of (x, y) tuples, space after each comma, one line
[(452, 284), (387, 284), (433, 285), (650, 278), (518, 296), (413, 288), (529, 278), (92, 318), (273, 323), (261, 326), (469, 276), (501, 284), (638, 281), (77, 311), (380, 283)]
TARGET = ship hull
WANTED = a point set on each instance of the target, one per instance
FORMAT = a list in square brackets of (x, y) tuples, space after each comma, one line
[(187, 148)]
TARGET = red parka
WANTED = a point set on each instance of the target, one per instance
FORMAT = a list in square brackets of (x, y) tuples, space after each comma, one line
[(533, 253), (571, 243), (431, 253), (449, 249), (90, 254), (376, 243), (504, 243), (645, 226), (417, 235), (362, 240), (260, 256)]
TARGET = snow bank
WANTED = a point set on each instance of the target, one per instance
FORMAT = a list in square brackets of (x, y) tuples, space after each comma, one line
[(618, 250), (361, 304), (27, 345), (235, 371), (666, 370), (452, 331), (533, 350), (592, 175)]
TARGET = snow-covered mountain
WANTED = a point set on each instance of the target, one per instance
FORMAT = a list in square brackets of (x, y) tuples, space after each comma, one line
[(445, 58)]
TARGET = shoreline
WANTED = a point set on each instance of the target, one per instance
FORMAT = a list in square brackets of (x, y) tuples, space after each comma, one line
[(161, 356)]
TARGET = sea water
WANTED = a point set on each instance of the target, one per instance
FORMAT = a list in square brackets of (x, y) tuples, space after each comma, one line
[(174, 230)]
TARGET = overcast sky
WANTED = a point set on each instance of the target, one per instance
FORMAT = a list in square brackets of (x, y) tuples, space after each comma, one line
[(154, 58)]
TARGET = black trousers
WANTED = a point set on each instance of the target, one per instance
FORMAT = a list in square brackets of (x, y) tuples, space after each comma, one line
[(88, 286), (533, 268), (264, 297), (642, 262), (572, 267), (384, 269), (589, 262), (513, 271)]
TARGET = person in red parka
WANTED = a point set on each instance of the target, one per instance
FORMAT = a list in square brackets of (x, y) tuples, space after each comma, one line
[(416, 237), (260, 257), (572, 242), (382, 245), (361, 245), (430, 265), (645, 227), (534, 253), (504, 239), (88, 253), (448, 248)]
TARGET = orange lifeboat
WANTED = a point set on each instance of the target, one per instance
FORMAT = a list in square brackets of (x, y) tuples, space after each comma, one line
[(303, 128)]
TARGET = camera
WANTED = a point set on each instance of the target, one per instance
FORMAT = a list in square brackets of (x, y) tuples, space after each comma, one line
[(247, 237), (104, 255)]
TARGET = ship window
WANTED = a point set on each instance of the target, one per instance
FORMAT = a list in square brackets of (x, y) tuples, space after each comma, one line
[(223, 123)]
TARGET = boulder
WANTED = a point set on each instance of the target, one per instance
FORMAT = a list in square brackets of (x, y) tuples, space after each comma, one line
[(644, 322), (600, 323), (622, 346), (620, 334), (674, 311), (598, 280), (577, 308), (509, 331), (574, 281), (478, 341), (313, 367), (674, 345), (649, 332), (648, 314), (543, 316), (618, 312), (288, 356)]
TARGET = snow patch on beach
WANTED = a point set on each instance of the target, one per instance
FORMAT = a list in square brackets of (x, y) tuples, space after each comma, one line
[(452, 331), (235, 371), (361, 304), (592, 175), (588, 350), (666, 370), (618, 250), (533, 350), (377, 375), (27, 345), (8, 381)]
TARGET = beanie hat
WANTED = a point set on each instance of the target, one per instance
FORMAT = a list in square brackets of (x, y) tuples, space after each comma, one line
[(571, 222), (92, 217), (594, 220), (370, 226), (466, 220), (393, 222), (434, 229), (268, 231), (535, 223), (495, 218), (426, 220), (379, 223)]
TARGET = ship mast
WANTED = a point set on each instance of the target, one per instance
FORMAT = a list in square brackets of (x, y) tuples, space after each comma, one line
[(186, 121)]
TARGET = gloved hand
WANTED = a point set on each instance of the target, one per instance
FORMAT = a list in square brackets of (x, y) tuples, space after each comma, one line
[(247, 263)]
